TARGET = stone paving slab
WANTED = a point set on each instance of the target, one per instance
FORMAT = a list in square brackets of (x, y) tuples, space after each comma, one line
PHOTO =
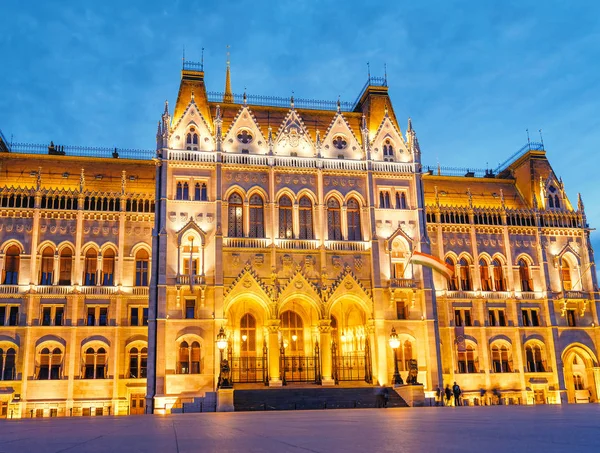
[(505, 429)]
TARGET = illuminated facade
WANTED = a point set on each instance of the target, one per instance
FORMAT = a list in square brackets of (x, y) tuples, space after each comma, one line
[(307, 231)]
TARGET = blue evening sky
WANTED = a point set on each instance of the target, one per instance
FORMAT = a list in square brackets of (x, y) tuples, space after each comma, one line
[(473, 75)]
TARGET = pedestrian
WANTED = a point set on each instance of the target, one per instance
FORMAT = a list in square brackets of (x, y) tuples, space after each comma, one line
[(439, 396), (456, 391), (448, 393), (379, 398), (386, 396)]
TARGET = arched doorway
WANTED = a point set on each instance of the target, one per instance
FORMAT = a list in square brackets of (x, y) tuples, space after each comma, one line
[(579, 364), (299, 351), (350, 347)]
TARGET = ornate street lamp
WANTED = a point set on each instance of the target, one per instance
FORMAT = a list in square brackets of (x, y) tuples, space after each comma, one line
[(224, 370), (221, 341), (394, 342)]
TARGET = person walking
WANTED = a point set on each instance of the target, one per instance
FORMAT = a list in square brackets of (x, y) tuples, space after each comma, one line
[(456, 391), (439, 396), (448, 393)]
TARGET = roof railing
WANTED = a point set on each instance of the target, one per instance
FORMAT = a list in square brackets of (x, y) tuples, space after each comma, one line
[(532, 146), (278, 101), (82, 151)]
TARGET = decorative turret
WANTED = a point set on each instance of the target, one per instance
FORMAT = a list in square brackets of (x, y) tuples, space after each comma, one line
[(228, 95), (364, 132), (318, 141), (218, 128), (580, 206), (82, 181), (159, 136), (413, 141)]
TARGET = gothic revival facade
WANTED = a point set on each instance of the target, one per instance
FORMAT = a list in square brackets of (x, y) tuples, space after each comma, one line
[(289, 238)]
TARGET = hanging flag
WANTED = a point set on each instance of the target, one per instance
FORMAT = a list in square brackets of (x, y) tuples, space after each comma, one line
[(432, 262)]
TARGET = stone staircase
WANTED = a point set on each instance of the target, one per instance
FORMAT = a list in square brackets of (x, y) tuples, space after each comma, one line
[(302, 398)]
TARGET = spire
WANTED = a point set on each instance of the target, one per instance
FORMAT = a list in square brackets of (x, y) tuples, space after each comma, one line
[(218, 127), (82, 181), (580, 206), (228, 96), (339, 105), (502, 198), (123, 181), (38, 182), (409, 127), (166, 112), (245, 97)]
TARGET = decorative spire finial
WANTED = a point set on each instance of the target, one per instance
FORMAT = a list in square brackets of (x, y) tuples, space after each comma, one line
[(580, 206), (502, 198), (292, 100), (38, 182), (228, 95), (541, 139), (82, 181), (245, 97), (385, 73), (369, 70), (166, 112), (123, 181), (339, 105), (202, 59)]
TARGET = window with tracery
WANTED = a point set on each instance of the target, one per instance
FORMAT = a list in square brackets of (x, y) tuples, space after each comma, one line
[(245, 137), (235, 216), (50, 364), (257, 217), (499, 281), (388, 151), (484, 272), (467, 363), (306, 218), (536, 362), (248, 334), (8, 371), (339, 142), (138, 363), (525, 276), (292, 332), (286, 229), (334, 225), (47, 266), (465, 275), (501, 359), (189, 358), (353, 213), (452, 281), (95, 363)]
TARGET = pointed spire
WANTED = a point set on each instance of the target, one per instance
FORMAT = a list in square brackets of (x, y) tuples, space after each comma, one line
[(245, 97), (228, 96), (292, 100), (502, 198), (166, 112), (580, 206), (339, 105), (409, 128), (158, 131), (38, 182), (82, 181), (123, 182), (535, 202)]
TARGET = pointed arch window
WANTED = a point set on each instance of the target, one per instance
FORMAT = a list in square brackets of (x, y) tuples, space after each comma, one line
[(108, 268), (499, 280), (306, 218), (556, 202), (501, 359), (65, 263), (142, 260), (179, 191), (248, 334), (484, 272), (388, 151), (400, 200), (565, 272), (50, 364), (286, 229), (189, 358), (292, 332), (95, 363), (550, 201), (91, 267), (465, 275), (200, 192), (235, 216), (334, 226), (353, 212), (7, 364), (525, 276), (452, 281), (47, 266), (467, 363), (12, 261), (536, 362), (257, 217)]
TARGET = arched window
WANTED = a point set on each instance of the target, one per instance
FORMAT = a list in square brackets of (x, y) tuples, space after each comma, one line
[(484, 272), (525, 276), (501, 359), (388, 151), (452, 281), (565, 273), (179, 191), (235, 216), (556, 202), (467, 363), (7, 364), (203, 192), (12, 261), (407, 355), (536, 362), (91, 267), (200, 192), (499, 281), (141, 268), (286, 228), (257, 217), (50, 364), (578, 382), (108, 268), (186, 191), (47, 266), (334, 226), (138, 363), (189, 358), (550, 201), (197, 191), (353, 210), (402, 200), (248, 334), (465, 275), (65, 263), (95, 363), (292, 332), (306, 218)]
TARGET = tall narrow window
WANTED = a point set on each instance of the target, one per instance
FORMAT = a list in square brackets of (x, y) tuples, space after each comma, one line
[(334, 226), (388, 151), (179, 191), (235, 216), (465, 275), (91, 266), (452, 281), (248, 334), (484, 272), (354, 230), (108, 268), (499, 281), (65, 266), (257, 217), (524, 275), (556, 202), (134, 363), (565, 272), (203, 192), (7, 365), (47, 266), (186, 191), (141, 268), (285, 218), (306, 218), (11, 266), (292, 332), (190, 309), (195, 358), (197, 191)]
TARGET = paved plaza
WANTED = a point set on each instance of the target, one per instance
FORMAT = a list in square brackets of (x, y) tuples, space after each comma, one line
[(503, 429)]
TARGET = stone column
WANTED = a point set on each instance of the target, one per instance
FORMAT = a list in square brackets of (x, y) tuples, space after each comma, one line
[(596, 388), (274, 376), (325, 341)]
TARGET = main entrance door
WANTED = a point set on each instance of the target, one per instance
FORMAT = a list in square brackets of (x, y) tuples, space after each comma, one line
[(351, 366), (137, 404), (299, 368), (248, 368)]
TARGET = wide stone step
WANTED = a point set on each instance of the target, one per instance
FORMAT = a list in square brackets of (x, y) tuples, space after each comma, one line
[(289, 398)]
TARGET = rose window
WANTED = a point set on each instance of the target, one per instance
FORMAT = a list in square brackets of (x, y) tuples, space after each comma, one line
[(339, 142), (244, 137)]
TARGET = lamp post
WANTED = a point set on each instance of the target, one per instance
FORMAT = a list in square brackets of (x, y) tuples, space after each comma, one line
[(224, 369), (394, 342), (221, 341)]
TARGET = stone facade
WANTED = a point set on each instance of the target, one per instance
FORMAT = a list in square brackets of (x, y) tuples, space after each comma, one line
[(300, 235)]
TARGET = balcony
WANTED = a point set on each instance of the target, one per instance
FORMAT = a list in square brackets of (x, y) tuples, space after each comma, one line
[(402, 283), (498, 295), (99, 290), (9, 289), (349, 246), (140, 291), (192, 156), (252, 243), (458, 294), (185, 279), (298, 244), (62, 290)]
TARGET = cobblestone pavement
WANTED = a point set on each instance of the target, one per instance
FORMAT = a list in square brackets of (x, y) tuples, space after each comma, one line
[(503, 429)]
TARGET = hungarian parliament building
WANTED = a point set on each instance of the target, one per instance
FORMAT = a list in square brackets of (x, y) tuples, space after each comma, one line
[(288, 242)]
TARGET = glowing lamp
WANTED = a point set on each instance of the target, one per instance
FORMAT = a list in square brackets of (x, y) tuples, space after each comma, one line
[(294, 337), (221, 339), (394, 341), (244, 337)]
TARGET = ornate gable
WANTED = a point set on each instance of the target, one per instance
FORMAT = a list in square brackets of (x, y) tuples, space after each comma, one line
[(340, 140), (245, 134), (389, 134), (299, 283), (248, 281), (192, 122), (293, 138), (347, 284)]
